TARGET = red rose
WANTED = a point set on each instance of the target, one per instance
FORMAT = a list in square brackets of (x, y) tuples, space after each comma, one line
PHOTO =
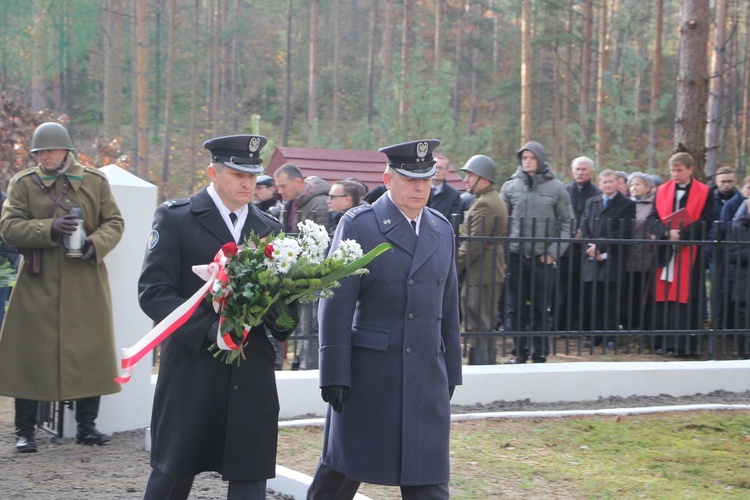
[(229, 249), (269, 251)]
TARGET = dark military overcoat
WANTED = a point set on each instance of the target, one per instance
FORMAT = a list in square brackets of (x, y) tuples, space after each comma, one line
[(57, 340), (207, 415), (393, 337)]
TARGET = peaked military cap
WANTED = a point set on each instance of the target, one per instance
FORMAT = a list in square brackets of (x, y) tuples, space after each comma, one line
[(412, 159), (239, 152)]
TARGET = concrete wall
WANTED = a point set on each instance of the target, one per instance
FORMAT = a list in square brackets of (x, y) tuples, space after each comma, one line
[(549, 382), (130, 408)]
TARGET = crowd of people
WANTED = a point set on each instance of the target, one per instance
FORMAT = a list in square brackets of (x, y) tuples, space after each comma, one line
[(533, 255)]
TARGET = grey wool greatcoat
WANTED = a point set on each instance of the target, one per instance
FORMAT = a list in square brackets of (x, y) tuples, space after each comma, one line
[(392, 336), (207, 415), (57, 340)]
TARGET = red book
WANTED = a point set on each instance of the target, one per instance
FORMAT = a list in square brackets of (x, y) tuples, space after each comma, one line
[(677, 220)]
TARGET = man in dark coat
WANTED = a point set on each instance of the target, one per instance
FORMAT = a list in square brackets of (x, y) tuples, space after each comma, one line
[(209, 415), (608, 216), (443, 197), (580, 189), (390, 346)]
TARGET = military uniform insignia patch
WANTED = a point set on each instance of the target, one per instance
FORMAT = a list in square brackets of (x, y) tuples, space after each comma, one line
[(386, 221), (153, 239)]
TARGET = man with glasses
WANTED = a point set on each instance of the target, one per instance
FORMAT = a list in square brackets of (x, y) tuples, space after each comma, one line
[(443, 197), (342, 196)]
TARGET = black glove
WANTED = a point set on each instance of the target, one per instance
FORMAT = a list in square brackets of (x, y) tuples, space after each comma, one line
[(89, 251), (451, 388), (335, 395), (282, 309), (65, 225)]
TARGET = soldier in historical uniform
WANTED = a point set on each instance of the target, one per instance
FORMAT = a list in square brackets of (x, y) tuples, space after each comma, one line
[(57, 341), (209, 415), (481, 263), (390, 346)]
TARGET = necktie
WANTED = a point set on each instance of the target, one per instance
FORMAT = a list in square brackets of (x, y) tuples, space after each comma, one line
[(233, 218), (604, 202), (414, 225)]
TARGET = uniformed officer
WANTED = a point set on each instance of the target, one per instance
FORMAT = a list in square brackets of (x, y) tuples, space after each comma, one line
[(57, 340), (209, 415), (390, 348)]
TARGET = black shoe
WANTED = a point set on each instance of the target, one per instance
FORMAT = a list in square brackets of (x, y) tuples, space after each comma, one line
[(26, 444), (518, 360), (92, 437), (541, 359)]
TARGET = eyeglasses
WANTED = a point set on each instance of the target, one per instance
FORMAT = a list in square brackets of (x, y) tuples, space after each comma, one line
[(338, 195)]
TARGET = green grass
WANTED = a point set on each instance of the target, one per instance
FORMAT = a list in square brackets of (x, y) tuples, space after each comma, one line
[(676, 455)]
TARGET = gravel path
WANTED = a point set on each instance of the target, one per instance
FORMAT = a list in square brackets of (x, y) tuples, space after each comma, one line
[(120, 469)]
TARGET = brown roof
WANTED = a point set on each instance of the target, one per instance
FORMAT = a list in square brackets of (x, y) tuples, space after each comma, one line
[(337, 164)]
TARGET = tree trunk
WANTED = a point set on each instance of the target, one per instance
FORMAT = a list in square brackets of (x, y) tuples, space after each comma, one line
[(369, 79), (312, 90), (585, 76), (113, 69), (157, 71), (167, 147), (405, 54), (745, 109), (716, 87), (567, 89), (692, 82), (288, 75), (438, 42), (194, 92), (601, 94), (653, 131), (141, 84), (387, 42), (38, 59), (234, 69), (336, 59), (525, 71), (457, 81)]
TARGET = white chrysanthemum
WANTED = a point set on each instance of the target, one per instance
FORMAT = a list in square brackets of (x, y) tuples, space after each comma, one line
[(314, 241), (285, 252), (348, 251)]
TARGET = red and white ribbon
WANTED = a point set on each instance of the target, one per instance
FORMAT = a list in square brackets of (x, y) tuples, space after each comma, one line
[(216, 279)]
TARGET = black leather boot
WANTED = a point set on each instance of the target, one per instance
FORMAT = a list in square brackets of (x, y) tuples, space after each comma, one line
[(25, 422), (87, 410)]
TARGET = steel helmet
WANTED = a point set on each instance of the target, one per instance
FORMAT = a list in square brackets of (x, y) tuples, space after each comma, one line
[(50, 135), (481, 165)]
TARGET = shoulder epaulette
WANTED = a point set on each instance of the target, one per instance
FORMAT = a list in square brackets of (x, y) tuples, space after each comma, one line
[(438, 214), (24, 173), (270, 216), (96, 171), (175, 203), (359, 209)]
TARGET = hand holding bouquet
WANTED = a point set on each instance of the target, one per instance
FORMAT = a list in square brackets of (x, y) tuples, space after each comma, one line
[(262, 275)]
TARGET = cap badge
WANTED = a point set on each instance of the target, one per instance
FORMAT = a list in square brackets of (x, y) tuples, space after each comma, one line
[(254, 144), (422, 149)]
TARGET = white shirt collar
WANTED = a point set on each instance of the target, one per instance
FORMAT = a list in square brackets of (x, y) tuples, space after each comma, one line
[(241, 213), (418, 219)]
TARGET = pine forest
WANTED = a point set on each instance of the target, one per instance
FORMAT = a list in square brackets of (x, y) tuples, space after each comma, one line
[(143, 83)]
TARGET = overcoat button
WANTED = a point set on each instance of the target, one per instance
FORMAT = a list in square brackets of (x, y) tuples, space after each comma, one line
[(40, 224), (440, 317), (411, 282), (440, 280), (236, 388), (411, 316), (408, 350)]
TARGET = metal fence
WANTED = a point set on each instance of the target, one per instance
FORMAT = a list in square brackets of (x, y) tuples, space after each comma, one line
[(615, 306)]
